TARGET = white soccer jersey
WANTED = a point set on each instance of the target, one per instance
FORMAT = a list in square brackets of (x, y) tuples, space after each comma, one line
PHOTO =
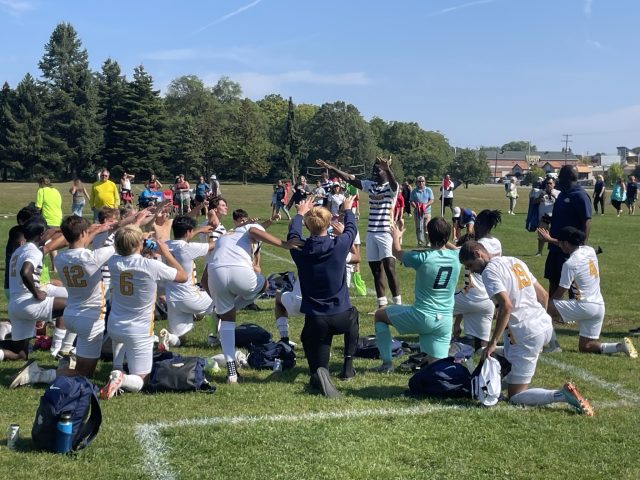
[(235, 249), (381, 202), (105, 239), (214, 235), (80, 271), (185, 253), (28, 252), (581, 275), (512, 276), (134, 285)]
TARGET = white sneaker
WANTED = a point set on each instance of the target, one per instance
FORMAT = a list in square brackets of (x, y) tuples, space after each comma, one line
[(241, 359), (163, 345), (628, 348), (113, 385), (29, 373)]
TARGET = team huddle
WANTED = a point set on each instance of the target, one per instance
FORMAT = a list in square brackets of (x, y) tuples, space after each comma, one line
[(111, 272)]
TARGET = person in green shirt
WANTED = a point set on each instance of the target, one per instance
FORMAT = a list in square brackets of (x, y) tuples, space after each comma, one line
[(437, 270), (49, 201)]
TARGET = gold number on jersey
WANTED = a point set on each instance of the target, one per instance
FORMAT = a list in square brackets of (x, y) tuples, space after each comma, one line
[(521, 276), (73, 275), (593, 271), (14, 262), (126, 284)]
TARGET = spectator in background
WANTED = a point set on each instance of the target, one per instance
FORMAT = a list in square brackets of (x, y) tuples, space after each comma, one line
[(319, 194), (153, 184), (181, 190), (335, 199), (421, 199), (446, 196), (278, 197), (202, 192), (49, 201), (618, 196), (78, 196), (462, 218), (599, 194), (632, 195), (215, 187), (512, 195), (406, 194), (546, 199), (398, 211), (104, 194), (299, 194), (125, 189)]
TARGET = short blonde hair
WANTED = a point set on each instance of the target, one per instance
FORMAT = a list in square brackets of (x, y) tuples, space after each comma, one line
[(317, 220), (128, 239)]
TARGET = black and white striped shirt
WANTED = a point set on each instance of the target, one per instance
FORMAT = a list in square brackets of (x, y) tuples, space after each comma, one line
[(381, 202)]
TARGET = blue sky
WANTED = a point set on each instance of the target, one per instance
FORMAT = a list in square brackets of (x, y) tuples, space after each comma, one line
[(482, 72)]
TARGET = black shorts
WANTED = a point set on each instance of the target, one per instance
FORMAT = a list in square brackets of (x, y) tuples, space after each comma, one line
[(200, 198), (16, 346), (448, 202), (553, 265)]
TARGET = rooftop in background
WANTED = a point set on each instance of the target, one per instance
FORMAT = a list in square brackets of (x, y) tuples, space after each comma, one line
[(546, 156)]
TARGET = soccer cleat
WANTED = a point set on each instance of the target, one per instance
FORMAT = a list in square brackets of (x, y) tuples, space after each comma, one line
[(113, 385), (383, 368), (576, 400), (347, 374), (66, 361), (628, 348), (323, 382), (163, 345), (26, 375)]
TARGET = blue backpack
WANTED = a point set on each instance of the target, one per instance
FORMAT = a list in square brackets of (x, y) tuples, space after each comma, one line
[(368, 348), (444, 378), (76, 396)]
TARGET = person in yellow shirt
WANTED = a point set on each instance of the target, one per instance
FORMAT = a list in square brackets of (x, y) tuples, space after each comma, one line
[(104, 193), (49, 201)]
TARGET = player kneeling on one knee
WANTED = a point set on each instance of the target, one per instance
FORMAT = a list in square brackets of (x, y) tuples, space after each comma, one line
[(581, 276), (522, 322)]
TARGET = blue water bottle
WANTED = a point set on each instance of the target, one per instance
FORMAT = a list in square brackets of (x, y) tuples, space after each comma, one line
[(64, 434)]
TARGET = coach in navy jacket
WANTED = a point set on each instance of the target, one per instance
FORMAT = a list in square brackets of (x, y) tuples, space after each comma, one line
[(321, 263)]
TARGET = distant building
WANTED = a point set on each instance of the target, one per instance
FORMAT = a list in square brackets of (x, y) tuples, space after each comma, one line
[(517, 164)]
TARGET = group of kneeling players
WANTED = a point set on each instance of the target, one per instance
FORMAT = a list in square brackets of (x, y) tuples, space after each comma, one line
[(124, 268)]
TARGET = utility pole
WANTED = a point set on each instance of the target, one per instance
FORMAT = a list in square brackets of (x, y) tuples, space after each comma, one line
[(566, 141)]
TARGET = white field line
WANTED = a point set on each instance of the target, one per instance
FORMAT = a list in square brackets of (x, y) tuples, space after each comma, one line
[(370, 291), (589, 377)]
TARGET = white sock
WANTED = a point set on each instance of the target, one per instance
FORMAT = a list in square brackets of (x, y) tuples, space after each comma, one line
[(282, 324), (67, 343), (382, 301), (228, 340), (58, 336), (174, 340), (610, 347), (554, 339), (1, 354), (118, 355), (537, 396), (5, 329), (132, 383), (397, 300)]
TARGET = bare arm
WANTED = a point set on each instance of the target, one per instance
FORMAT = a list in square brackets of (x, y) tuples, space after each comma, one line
[(258, 235), (351, 179), (386, 166), (26, 273), (504, 312), (587, 229), (541, 295), (396, 248)]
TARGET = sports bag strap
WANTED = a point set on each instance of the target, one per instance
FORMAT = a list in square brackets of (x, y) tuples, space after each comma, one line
[(91, 427)]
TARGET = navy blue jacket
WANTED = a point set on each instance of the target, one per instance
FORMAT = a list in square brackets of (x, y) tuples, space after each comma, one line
[(321, 263)]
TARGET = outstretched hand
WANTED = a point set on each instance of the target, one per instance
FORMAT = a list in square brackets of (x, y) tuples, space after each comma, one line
[(396, 231), (304, 206), (292, 244), (322, 163), (543, 234)]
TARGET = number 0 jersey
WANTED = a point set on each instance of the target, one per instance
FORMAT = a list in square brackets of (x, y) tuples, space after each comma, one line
[(581, 274), (437, 274), (512, 276), (80, 271), (133, 292)]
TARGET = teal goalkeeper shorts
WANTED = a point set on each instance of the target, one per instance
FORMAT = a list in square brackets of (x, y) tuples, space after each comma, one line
[(433, 329)]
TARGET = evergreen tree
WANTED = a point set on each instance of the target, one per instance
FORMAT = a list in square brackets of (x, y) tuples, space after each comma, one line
[(112, 86), (187, 151), (142, 126), (71, 99), (7, 104), (292, 150)]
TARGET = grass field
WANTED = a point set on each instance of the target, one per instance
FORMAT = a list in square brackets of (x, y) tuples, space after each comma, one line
[(272, 427)]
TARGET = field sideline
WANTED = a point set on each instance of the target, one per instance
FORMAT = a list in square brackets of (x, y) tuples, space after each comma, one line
[(271, 427)]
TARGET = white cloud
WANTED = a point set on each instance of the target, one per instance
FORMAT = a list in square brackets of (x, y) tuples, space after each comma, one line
[(594, 44), (16, 7), (228, 16), (459, 7), (244, 56), (586, 8), (256, 85)]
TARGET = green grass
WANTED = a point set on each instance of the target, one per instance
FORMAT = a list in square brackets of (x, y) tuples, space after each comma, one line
[(468, 441)]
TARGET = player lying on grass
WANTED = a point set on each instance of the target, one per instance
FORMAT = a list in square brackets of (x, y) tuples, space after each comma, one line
[(581, 276), (321, 264), (437, 270), (522, 322)]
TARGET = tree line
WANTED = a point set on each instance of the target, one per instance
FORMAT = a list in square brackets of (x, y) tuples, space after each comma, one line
[(72, 121)]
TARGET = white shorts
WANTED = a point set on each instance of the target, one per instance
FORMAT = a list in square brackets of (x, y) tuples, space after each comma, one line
[(24, 315), (234, 287), (588, 316), (180, 312), (138, 349), (292, 301), (55, 291), (477, 315), (90, 335), (524, 356), (379, 246)]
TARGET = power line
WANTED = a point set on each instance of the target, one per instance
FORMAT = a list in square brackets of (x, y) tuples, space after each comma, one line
[(566, 141)]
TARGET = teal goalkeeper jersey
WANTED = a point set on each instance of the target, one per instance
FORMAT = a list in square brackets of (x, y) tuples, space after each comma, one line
[(437, 274)]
